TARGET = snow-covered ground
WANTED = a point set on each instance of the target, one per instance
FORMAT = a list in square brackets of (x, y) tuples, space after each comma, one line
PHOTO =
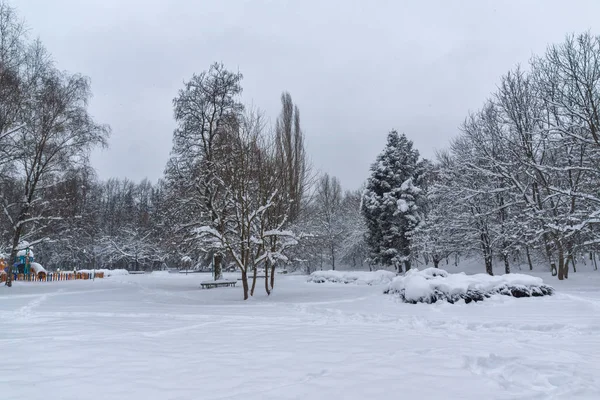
[(159, 336)]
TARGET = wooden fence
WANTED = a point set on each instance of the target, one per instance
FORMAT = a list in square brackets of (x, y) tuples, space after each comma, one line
[(53, 276)]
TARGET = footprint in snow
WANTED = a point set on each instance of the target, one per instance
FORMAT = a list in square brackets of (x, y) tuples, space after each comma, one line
[(314, 375)]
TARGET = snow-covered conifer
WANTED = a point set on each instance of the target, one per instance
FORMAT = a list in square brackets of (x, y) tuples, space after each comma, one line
[(391, 202)]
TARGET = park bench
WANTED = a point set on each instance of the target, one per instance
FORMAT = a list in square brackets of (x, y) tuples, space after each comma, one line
[(215, 284)]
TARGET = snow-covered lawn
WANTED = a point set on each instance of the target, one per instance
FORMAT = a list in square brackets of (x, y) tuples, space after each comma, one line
[(161, 337)]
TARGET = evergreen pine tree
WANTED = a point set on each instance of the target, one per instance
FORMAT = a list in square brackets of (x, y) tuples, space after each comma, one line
[(391, 202)]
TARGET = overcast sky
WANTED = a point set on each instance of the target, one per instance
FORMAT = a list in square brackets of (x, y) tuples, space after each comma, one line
[(356, 69)]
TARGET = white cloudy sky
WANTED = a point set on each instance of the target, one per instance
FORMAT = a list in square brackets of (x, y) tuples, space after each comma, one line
[(356, 69)]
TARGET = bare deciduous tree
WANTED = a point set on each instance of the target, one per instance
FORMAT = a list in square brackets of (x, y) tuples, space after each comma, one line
[(205, 109), (290, 151), (328, 200), (255, 208)]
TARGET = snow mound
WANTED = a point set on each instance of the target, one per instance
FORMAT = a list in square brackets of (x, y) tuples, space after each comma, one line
[(432, 284), (380, 277), (37, 268)]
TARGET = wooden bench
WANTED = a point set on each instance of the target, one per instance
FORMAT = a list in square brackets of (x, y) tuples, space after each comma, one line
[(215, 284)]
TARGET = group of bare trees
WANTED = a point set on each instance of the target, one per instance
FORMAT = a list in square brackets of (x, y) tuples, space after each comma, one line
[(46, 133), (241, 194), (94, 224), (522, 181), (335, 228), (235, 184), (234, 194)]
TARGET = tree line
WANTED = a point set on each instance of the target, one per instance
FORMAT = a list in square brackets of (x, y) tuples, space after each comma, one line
[(236, 193), (518, 184), (522, 180)]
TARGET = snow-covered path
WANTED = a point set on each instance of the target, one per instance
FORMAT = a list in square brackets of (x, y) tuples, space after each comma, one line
[(160, 337)]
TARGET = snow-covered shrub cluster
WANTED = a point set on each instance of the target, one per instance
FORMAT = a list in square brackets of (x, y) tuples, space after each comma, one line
[(380, 277), (432, 284)]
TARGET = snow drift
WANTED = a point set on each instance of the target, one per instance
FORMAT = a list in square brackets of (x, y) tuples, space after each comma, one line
[(380, 277), (433, 284)]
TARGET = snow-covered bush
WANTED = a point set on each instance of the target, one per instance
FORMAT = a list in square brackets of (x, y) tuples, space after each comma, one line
[(380, 277), (432, 284)]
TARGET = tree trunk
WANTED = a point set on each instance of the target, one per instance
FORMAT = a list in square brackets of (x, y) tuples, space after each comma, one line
[(332, 256), (267, 289), (553, 269), (528, 258), (254, 271), (561, 263), (487, 252), (488, 264), (245, 283), (217, 267), (272, 276), (595, 265), (13, 252), (436, 262), (506, 264), (573, 262)]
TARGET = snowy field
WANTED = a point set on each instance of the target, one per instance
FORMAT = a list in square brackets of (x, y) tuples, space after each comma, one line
[(159, 336)]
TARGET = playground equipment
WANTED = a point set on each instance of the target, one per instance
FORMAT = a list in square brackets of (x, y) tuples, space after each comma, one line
[(25, 268), (23, 260), (49, 276), (2, 268), (39, 271)]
